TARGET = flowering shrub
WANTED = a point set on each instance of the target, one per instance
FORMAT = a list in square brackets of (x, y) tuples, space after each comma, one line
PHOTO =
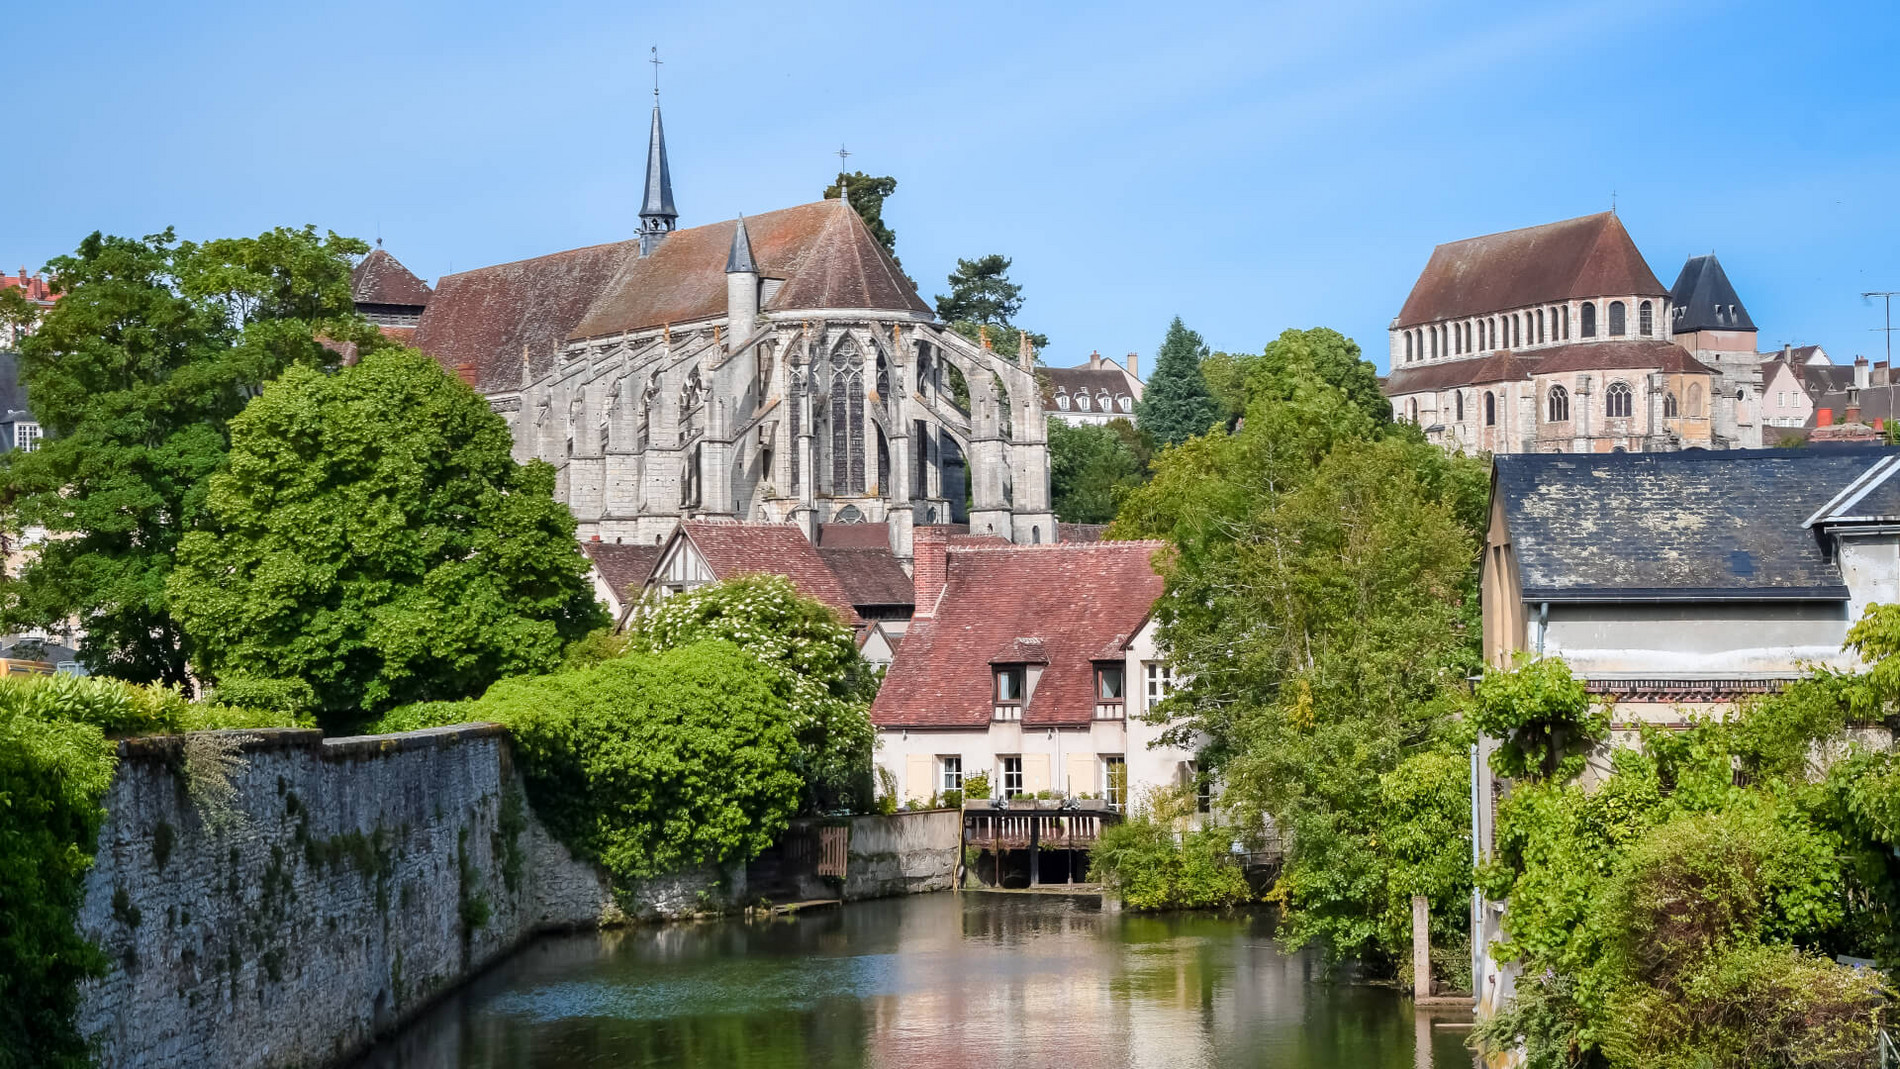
[(814, 664)]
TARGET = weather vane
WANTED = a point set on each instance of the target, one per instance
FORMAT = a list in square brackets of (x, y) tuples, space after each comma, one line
[(842, 153), (656, 61)]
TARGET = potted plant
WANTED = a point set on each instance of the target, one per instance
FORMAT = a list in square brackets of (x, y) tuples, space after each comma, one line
[(976, 790)]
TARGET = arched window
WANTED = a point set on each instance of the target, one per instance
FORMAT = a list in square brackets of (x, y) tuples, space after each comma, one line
[(1062, 401), (1540, 326), (1566, 314), (1669, 405), (1645, 319), (847, 419), (1695, 400), (1459, 397), (1490, 409), (1408, 346), (1617, 324), (1559, 405), (1617, 401), (1411, 410), (1433, 334), (1588, 326), (1517, 332)]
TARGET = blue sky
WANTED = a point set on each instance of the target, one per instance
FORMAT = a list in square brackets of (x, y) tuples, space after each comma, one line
[(1249, 167)]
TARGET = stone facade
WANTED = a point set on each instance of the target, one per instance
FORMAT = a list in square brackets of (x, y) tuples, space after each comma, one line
[(353, 881)]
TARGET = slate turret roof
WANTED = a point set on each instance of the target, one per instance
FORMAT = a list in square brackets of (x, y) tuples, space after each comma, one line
[(1704, 299), (1675, 526), (1590, 256)]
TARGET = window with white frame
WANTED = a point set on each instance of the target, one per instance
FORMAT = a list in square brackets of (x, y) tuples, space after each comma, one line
[(952, 768), (1009, 693), (1012, 776), (26, 435), (1160, 680), (1115, 780)]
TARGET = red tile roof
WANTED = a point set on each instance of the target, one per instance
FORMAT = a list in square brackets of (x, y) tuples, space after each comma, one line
[(854, 536), (35, 288), (484, 319), (1075, 598), (624, 566), (869, 576), (382, 279), (734, 549), (823, 251), (1591, 256), (1446, 375)]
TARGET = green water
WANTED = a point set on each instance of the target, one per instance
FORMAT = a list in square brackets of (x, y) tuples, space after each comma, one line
[(970, 981)]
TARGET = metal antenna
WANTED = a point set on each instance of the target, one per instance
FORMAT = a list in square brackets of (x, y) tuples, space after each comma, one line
[(656, 61), (1612, 202), (1887, 296)]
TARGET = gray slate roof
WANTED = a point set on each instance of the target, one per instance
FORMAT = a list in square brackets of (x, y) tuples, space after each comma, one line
[(1675, 526), (1705, 300)]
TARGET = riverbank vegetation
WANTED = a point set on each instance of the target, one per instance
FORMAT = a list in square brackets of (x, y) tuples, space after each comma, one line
[(694, 737), (1686, 909), (1321, 614), (57, 758), (1157, 859)]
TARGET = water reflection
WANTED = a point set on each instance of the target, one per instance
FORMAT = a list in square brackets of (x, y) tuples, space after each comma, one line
[(954, 980)]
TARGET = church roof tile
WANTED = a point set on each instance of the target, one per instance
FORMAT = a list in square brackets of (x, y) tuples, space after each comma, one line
[(382, 279), (734, 549), (1590, 256)]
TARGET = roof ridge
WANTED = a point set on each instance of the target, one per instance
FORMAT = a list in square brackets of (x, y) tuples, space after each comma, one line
[(1521, 229), (543, 256)]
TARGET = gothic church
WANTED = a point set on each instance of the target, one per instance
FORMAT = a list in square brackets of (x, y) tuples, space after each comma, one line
[(774, 368)]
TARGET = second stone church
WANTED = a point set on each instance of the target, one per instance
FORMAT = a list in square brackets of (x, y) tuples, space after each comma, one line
[(773, 368)]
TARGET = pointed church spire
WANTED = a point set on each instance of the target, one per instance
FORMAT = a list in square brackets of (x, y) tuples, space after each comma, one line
[(739, 258), (657, 214)]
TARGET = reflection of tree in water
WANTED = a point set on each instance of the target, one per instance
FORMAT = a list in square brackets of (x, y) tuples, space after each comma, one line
[(1014, 981)]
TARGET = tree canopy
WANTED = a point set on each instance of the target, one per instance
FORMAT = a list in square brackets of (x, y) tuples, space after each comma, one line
[(1320, 612), (1236, 380), (866, 194), (982, 296), (373, 542), (1091, 466), (814, 663), (1176, 404), (135, 374)]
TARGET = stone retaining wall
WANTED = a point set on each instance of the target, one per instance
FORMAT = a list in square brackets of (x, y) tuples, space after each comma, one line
[(340, 886)]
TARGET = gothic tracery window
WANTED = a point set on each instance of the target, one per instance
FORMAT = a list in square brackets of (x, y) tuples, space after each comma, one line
[(1559, 405), (1618, 401), (847, 419), (1669, 405)]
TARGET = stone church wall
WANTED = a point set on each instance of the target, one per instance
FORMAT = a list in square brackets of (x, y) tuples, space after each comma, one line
[(339, 887)]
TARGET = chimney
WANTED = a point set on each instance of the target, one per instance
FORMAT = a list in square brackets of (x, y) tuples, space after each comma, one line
[(1787, 353), (1824, 417), (1134, 365), (929, 567), (1883, 375), (1862, 373), (466, 372), (1853, 402), (1095, 359)]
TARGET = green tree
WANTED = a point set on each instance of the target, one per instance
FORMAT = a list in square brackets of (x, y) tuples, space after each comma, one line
[(1176, 405), (814, 663), (1320, 612), (135, 375), (1236, 380), (866, 194), (373, 540), (1090, 466), (17, 314), (983, 302)]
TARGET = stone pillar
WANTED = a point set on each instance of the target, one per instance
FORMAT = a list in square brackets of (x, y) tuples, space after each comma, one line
[(1421, 946)]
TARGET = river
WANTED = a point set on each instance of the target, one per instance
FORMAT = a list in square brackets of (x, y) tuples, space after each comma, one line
[(972, 981)]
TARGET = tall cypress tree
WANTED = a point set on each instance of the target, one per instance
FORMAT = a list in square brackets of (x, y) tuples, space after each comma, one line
[(1176, 405)]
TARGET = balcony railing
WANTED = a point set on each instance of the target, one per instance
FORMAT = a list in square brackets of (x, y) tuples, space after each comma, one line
[(1110, 711), (1006, 711)]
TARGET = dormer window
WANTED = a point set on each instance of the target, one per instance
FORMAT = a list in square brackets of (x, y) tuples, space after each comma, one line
[(1062, 401), (1128, 404), (1008, 698), (1110, 688), (1082, 401)]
